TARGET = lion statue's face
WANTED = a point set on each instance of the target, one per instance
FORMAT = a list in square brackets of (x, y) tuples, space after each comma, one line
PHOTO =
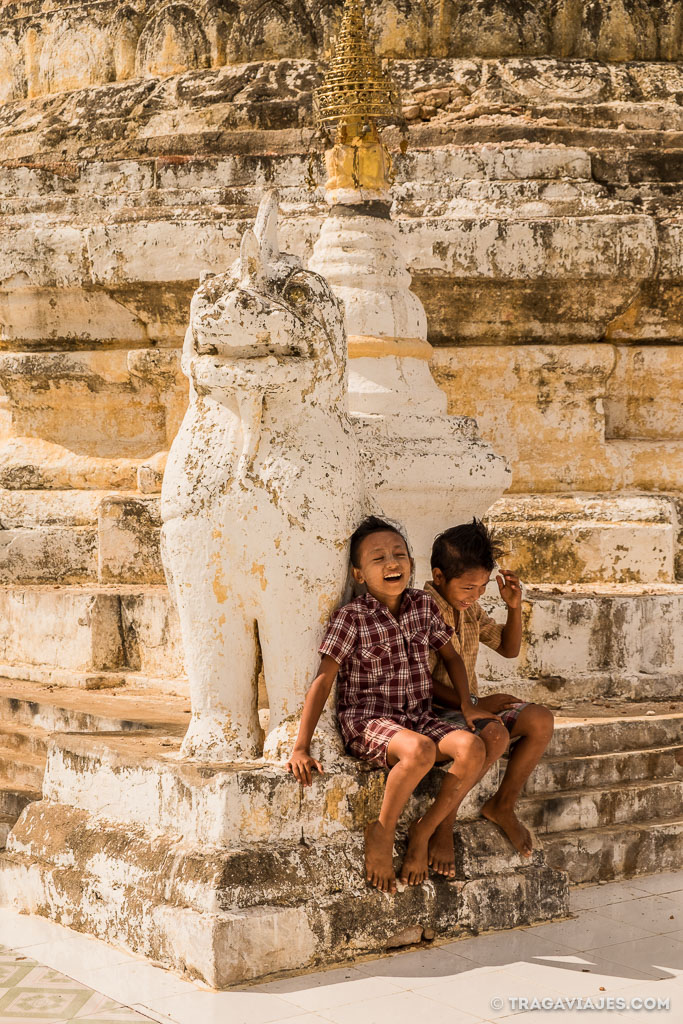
[(269, 309)]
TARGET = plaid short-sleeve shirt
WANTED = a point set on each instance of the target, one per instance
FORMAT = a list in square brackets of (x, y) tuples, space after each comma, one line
[(384, 661)]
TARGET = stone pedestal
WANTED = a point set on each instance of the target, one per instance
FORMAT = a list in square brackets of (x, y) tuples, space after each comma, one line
[(229, 873)]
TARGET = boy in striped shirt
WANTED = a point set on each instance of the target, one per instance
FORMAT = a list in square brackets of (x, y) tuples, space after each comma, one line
[(463, 559)]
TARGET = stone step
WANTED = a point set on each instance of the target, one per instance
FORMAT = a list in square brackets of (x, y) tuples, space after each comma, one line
[(579, 642), (464, 265), (529, 198), (245, 171), (15, 796), (91, 636), (226, 875), (31, 462), (23, 739), (577, 538), (555, 774), (50, 537), (142, 776), (591, 641), (617, 851), (513, 200), (588, 538), (616, 804), (632, 92), (585, 730), (22, 768), (51, 554), (64, 709)]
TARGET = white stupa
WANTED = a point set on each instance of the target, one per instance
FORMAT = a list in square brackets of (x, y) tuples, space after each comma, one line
[(431, 470)]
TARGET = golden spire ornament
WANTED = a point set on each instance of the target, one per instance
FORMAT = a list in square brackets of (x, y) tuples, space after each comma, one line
[(356, 94), (356, 90)]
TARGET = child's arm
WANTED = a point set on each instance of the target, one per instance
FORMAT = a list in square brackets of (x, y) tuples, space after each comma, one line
[(301, 763), (458, 695), (511, 592)]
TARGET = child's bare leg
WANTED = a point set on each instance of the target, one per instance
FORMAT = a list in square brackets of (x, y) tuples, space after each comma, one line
[(466, 750), (411, 756), (441, 855), (534, 727)]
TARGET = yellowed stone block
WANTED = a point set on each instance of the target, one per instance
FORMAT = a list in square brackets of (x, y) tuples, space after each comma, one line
[(541, 405), (33, 463), (643, 397), (128, 534), (650, 465), (87, 402), (587, 538)]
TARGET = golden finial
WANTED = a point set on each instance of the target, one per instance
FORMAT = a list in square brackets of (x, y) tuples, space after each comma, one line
[(356, 90)]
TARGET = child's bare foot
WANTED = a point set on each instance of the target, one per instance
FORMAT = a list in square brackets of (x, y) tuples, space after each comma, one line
[(441, 852), (415, 865), (379, 853), (518, 834)]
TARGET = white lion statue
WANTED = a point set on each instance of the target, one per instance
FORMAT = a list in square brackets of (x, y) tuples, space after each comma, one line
[(262, 489)]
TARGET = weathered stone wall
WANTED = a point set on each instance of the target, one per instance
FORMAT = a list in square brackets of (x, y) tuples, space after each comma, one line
[(46, 49), (539, 207), (540, 220)]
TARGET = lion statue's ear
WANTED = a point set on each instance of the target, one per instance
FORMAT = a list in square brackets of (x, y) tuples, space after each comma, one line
[(265, 227), (251, 264)]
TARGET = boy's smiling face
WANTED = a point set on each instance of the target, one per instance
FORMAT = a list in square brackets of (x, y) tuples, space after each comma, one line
[(384, 565), (462, 591)]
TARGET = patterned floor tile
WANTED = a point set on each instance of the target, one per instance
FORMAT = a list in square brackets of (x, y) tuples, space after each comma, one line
[(31, 1020), (16, 956), (102, 1010), (12, 973), (47, 978), (42, 1004), (121, 1014)]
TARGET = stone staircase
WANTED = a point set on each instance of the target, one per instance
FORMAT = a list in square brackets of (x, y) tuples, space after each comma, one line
[(100, 830), (31, 712), (606, 801)]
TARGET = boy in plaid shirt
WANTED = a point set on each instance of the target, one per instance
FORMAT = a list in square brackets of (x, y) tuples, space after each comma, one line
[(379, 646), (463, 559)]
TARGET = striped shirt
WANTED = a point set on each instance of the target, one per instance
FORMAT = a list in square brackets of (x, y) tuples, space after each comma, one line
[(474, 627)]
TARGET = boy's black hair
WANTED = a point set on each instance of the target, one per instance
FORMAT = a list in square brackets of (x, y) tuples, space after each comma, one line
[(370, 525), (469, 546)]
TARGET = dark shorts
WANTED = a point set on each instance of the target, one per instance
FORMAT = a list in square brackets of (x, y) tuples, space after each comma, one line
[(510, 715), (507, 717), (371, 745)]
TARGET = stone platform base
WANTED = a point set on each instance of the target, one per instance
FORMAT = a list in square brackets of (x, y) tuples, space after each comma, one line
[(229, 915), (230, 873)]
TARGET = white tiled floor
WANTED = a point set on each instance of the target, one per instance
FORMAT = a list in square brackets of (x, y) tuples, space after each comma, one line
[(625, 941)]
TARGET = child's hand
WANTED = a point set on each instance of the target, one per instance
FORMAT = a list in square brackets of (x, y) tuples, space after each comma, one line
[(510, 588), (497, 702), (472, 714), (301, 766)]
